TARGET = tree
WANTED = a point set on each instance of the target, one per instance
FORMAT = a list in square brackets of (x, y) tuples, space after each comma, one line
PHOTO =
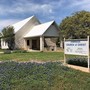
[(8, 36), (76, 25)]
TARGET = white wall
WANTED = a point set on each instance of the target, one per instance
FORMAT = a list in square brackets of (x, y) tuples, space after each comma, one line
[(19, 36), (4, 45), (52, 31)]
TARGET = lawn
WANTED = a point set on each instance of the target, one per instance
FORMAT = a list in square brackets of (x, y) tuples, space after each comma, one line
[(47, 76), (36, 76), (41, 56), (1, 50)]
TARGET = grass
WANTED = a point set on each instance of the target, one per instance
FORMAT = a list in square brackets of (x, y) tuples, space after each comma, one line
[(47, 76), (2, 50), (34, 76), (43, 56)]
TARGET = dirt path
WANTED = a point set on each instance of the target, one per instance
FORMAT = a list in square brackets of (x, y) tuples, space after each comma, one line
[(41, 62)]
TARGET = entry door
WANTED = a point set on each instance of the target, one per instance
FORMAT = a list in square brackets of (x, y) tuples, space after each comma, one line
[(34, 44)]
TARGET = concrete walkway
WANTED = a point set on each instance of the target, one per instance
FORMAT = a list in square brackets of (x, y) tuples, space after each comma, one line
[(83, 69), (1, 52)]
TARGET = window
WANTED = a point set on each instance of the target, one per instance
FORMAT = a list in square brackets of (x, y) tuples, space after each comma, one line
[(27, 42)]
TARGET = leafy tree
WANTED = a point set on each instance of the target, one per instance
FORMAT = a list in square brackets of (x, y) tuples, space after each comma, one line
[(8, 36), (76, 25)]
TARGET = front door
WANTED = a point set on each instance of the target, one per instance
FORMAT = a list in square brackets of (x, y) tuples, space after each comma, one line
[(34, 44)]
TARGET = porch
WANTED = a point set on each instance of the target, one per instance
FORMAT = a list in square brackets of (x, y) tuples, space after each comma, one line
[(41, 37), (41, 43)]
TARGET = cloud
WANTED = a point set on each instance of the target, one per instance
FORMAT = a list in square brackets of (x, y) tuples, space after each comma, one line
[(45, 9), (26, 6), (80, 4), (4, 23)]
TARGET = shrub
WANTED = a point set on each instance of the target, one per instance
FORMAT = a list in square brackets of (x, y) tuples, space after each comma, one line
[(7, 51), (19, 51), (78, 61)]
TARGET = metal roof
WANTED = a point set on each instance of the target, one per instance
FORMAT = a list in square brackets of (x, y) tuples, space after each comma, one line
[(38, 30), (17, 26)]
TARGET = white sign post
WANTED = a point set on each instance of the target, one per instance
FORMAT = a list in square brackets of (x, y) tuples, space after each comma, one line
[(76, 47), (88, 54)]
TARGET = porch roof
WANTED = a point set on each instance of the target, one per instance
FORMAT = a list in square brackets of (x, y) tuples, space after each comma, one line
[(38, 30)]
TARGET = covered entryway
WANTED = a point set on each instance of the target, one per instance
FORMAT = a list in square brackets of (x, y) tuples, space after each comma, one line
[(41, 43), (38, 34), (32, 43)]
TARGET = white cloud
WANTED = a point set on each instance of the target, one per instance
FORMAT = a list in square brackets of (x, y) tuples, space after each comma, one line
[(4, 23), (46, 8), (51, 9), (80, 4), (26, 7)]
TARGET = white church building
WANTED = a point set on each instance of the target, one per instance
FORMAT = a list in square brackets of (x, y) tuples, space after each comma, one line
[(30, 34)]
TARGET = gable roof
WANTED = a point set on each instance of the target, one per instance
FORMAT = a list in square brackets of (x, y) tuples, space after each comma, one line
[(38, 30), (20, 24)]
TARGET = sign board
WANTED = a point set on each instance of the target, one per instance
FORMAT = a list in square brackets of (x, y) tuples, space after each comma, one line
[(76, 47)]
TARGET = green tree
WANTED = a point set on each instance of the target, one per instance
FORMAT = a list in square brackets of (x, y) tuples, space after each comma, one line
[(76, 25), (9, 37)]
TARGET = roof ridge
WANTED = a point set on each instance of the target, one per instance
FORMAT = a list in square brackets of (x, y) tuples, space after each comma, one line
[(21, 23), (46, 23), (23, 20)]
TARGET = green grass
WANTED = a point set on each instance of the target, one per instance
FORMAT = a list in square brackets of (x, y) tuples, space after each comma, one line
[(43, 56), (48, 76), (2, 50)]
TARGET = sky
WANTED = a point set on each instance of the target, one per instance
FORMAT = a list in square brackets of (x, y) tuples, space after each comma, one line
[(12, 11)]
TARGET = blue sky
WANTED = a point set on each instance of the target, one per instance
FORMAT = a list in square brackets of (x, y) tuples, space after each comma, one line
[(12, 11)]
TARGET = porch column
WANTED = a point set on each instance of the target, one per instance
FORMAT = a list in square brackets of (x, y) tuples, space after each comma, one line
[(55, 48), (41, 43), (61, 44), (25, 44)]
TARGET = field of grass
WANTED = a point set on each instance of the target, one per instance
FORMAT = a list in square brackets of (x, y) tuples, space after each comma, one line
[(47, 76), (43, 56), (1, 50), (35, 76)]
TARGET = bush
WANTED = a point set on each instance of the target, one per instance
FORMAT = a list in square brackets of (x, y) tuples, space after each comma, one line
[(7, 52), (78, 61), (19, 51)]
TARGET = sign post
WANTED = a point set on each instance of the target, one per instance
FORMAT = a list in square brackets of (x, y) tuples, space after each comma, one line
[(76, 47), (64, 53), (88, 54)]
